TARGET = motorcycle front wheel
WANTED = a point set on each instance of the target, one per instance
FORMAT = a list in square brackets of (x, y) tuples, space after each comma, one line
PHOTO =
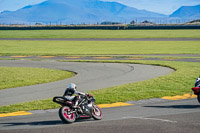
[(97, 112), (66, 114)]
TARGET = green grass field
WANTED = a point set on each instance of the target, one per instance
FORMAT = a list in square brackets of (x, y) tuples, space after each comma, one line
[(57, 48), (18, 76), (99, 33)]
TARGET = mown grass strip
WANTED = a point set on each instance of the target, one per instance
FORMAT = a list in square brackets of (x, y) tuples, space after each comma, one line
[(11, 77), (27, 106), (99, 33), (64, 48), (176, 83)]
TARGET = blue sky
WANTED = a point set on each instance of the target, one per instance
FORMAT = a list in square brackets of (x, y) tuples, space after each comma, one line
[(13, 5), (160, 6)]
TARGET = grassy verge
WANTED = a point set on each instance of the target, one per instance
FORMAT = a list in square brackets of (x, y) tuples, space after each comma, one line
[(60, 48), (99, 33), (178, 82), (34, 105), (18, 76)]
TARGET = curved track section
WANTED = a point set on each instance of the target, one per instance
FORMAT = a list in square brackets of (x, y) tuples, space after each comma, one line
[(90, 76)]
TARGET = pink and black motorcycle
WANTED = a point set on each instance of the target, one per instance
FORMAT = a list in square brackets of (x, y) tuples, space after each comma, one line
[(86, 109)]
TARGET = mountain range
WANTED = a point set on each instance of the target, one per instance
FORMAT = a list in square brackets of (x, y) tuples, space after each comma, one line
[(192, 12), (85, 11)]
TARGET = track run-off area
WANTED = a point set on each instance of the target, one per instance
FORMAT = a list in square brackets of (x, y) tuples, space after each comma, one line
[(152, 115)]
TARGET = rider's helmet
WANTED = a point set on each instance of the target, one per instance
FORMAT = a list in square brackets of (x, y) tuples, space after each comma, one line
[(197, 83), (71, 89)]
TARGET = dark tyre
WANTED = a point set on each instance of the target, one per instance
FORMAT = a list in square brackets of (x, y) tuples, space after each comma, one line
[(96, 112), (198, 97), (66, 115)]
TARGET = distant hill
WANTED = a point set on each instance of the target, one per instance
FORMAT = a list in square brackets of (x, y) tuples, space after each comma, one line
[(76, 12), (187, 12)]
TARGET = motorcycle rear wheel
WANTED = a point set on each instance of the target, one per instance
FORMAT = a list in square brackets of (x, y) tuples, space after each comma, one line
[(66, 115), (97, 112)]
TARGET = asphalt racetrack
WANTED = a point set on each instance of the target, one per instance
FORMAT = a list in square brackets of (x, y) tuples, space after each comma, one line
[(90, 76), (180, 116), (103, 39), (155, 115)]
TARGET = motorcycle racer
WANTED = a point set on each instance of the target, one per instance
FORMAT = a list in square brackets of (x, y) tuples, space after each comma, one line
[(70, 93), (197, 82)]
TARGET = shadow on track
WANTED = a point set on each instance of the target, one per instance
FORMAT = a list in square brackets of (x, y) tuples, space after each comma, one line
[(43, 123)]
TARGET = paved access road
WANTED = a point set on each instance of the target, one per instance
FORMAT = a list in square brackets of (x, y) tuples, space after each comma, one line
[(104, 39)]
